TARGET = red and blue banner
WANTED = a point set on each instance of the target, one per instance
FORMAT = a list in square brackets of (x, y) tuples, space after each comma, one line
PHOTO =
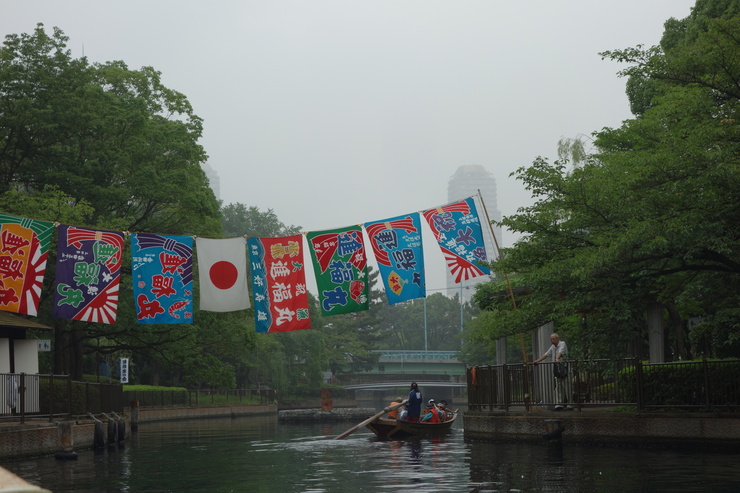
[(397, 246), (162, 269), (457, 229), (340, 267), (87, 274), (279, 284), (24, 249)]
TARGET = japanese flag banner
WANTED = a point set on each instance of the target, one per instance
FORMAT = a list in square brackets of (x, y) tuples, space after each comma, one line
[(162, 270), (397, 246), (457, 229), (88, 274), (24, 249), (222, 269), (279, 284), (340, 267)]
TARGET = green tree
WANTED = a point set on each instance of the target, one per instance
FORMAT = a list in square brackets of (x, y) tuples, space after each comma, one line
[(120, 149), (114, 137), (652, 215), (238, 219), (349, 339), (432, 323)]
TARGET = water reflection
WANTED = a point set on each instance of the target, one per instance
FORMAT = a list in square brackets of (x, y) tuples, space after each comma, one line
[(262, 455)]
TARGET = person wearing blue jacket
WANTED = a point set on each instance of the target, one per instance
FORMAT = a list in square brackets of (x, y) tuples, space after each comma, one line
[(414, 405)]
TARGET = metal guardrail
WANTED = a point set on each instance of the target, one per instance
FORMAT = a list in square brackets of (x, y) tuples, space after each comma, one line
[(419, 355), (55, 396), (403, 384), (24, 396), (706, 385)]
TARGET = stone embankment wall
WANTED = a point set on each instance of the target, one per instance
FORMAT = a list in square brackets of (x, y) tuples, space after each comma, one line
[(340, 414), (168, 414), (40, 438), (33, 440), (608, 428)]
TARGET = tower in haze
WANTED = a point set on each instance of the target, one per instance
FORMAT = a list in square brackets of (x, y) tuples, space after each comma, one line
[(213, 180), (466, 182)]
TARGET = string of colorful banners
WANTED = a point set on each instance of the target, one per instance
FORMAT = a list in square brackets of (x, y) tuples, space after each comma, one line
[(89, 265)]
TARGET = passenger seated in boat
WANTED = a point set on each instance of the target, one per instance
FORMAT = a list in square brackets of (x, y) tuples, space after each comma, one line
[(433, 415), (443, 407), (393, 413)]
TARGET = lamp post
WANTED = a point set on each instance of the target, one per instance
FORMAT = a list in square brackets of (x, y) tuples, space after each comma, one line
[(461, 311), (461, 307), (426, 344)]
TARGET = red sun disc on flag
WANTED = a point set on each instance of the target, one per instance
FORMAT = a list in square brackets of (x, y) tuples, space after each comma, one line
[(223, 274)]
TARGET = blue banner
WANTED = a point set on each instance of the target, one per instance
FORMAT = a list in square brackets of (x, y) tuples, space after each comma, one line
[(457, 229), (162, 269), (399, 252)]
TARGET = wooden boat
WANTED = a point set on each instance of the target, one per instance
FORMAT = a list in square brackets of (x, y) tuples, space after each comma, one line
[(393, 428)]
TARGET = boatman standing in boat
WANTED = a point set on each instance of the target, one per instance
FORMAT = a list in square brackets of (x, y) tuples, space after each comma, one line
[(414, 405)]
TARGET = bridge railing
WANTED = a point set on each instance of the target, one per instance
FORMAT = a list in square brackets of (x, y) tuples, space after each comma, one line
[(368, 378), (417, 355)]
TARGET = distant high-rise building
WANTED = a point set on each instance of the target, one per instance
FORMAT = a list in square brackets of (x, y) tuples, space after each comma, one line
[(466, 182), (213, 180)]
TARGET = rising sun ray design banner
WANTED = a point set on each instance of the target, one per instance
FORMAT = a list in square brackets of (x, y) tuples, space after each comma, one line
[(162, 269), (279, 284), (24, 249), (340, 267), (397, 246), (88, 274), (457, 229)]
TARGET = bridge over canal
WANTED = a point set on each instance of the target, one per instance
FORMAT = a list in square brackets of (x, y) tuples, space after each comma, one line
[(438, 373)]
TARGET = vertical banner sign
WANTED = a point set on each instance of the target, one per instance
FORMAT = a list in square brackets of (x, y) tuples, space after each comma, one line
[(279, 284), (124, 370), (457, 229), (24, 249), (162, 269), (222, 272), (340, 267), (88, 274), (398, 249)]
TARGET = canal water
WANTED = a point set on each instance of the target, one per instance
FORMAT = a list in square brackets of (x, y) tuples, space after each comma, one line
[(260, 454)]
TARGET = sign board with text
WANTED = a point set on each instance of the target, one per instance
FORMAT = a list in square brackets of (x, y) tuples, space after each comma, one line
[(124, 370)]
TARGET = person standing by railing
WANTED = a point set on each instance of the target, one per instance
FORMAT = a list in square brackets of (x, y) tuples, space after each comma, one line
[(557, 353)]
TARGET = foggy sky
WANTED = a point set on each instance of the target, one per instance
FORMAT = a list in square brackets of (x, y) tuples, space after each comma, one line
[(337, 112)]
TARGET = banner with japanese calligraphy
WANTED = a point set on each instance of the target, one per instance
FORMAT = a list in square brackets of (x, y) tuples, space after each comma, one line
[(279, 284), (457, 229), (88, 274), (397, 246), (340, 267), (24, 249), (162, 269)]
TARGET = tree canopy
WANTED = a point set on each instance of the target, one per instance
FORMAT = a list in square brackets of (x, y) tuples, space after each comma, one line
[(651, 215), (102, 133), (102, 146)]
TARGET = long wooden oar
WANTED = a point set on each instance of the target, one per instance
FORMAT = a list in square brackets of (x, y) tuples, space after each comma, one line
[(370, 420)]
